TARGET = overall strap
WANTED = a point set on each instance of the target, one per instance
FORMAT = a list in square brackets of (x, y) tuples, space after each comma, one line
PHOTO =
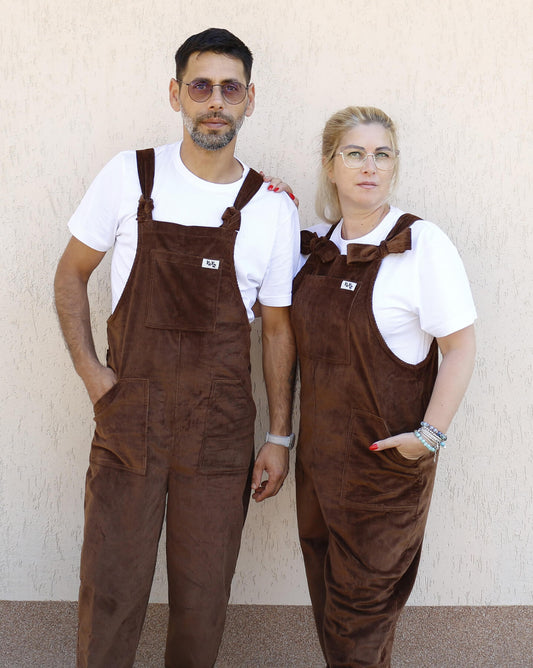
[(232, 215), (403, 222), (331, 229), (321, 247), (146, 171), (397, 241)]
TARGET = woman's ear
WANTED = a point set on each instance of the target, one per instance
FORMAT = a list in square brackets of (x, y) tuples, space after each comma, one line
[(328, 167)]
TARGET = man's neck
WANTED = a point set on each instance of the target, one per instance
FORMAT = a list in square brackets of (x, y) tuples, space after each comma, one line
[(220, 166)]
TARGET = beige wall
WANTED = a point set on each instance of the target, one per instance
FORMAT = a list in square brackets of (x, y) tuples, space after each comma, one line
[(84, 80)]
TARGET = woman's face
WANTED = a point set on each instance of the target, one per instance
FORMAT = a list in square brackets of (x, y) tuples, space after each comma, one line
[(365, 187)]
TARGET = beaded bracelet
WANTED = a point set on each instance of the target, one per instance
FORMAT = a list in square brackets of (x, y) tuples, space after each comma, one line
[(424, 442), (431, 437), (442, 436)]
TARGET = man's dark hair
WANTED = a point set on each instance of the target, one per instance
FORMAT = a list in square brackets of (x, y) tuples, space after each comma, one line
[(216, 40)]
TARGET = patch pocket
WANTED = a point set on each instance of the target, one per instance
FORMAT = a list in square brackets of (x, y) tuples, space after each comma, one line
[(183, 292), (121, 417), (330, 341), (228, 440), (384, 479)]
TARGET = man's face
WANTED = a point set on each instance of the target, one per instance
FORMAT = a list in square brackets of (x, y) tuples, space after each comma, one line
[(212, 124)]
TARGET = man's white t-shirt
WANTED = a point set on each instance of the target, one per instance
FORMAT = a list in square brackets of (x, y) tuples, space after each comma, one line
[(419, 294), (267, 246)]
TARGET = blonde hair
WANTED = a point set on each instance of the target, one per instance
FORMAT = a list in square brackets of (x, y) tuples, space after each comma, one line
[(327, 203)]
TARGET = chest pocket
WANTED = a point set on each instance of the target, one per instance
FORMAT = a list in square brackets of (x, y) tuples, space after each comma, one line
[(183, 292), (319, 337)]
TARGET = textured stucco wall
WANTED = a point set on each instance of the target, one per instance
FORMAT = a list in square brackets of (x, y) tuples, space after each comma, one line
[(84, 80)]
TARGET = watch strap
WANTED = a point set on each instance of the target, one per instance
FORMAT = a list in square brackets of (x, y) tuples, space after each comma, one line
[(286, 441)]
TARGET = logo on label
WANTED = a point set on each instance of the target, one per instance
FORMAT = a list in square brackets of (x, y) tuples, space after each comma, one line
[(210, 264), (348, 285)]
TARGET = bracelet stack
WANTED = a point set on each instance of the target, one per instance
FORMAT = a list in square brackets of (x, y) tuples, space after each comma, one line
[(430, 437)]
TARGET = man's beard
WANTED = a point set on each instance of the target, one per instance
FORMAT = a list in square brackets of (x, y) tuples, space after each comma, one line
[(212, 141)]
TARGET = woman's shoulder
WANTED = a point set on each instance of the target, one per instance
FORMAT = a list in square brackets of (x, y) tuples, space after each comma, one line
[(427, 233), (424, 231), (321, 229)]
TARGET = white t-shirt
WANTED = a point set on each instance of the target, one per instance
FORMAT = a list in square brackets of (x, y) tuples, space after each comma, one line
[(419, 294), (267, 246)]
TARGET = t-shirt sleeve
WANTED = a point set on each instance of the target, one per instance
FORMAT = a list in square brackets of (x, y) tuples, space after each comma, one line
[(95, 220), (445, 298), (276, 287)]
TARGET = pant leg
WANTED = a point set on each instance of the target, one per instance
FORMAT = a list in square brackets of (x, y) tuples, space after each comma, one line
[(205, 517), (370, 570), (375, 511), (314, 541), (123, 518)]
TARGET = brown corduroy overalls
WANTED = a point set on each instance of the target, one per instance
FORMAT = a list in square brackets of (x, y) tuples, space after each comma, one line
[(176, 430), (361, 514)]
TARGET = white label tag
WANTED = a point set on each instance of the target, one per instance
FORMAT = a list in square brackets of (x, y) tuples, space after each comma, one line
[(348, 285), (210, 264)]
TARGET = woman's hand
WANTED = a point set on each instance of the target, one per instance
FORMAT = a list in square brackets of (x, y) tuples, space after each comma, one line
[(277, 185), (407, 445), (458, 353)]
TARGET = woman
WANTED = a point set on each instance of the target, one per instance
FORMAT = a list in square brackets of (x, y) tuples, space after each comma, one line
[(380, 294)]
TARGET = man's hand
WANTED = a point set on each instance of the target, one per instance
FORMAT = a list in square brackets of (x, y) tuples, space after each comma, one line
[(274, 461), (99, 381)]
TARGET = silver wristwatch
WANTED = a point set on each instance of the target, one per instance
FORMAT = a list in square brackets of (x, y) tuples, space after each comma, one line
[(286, 441)]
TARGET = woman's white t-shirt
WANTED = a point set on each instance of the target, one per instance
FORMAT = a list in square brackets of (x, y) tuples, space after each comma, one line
[(419, 294)]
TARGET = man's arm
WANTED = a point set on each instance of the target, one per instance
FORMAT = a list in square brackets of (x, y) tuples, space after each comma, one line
[(73, 272), (279, 365)]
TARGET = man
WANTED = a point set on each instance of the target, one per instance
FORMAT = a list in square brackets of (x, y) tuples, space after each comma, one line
[(197, 239)]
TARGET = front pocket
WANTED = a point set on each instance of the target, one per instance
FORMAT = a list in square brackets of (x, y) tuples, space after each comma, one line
[(183, 292), (382, 479), (321, 317), (228, 440), (121, 417)]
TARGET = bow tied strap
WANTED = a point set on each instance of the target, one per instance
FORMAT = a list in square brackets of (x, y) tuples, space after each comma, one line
[(145, 208), (232, 217), (368, 253), (323, 247)]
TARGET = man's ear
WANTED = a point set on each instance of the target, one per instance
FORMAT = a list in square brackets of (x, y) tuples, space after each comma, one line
[(174, 95), (251, 101)]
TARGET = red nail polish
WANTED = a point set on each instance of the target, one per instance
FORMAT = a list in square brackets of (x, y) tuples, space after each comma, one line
[(374, 446), (270, 187), (276, 190), (290, 195)]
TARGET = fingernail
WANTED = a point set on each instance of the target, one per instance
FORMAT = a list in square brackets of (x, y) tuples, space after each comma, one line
[(374, 446), (290, 195), (270, 187), (276, 190)]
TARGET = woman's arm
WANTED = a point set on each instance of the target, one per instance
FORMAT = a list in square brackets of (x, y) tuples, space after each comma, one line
[(458, 354)]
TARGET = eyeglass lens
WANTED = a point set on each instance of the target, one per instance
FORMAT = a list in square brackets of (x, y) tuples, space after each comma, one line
[(200, 91), (355, 158)]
